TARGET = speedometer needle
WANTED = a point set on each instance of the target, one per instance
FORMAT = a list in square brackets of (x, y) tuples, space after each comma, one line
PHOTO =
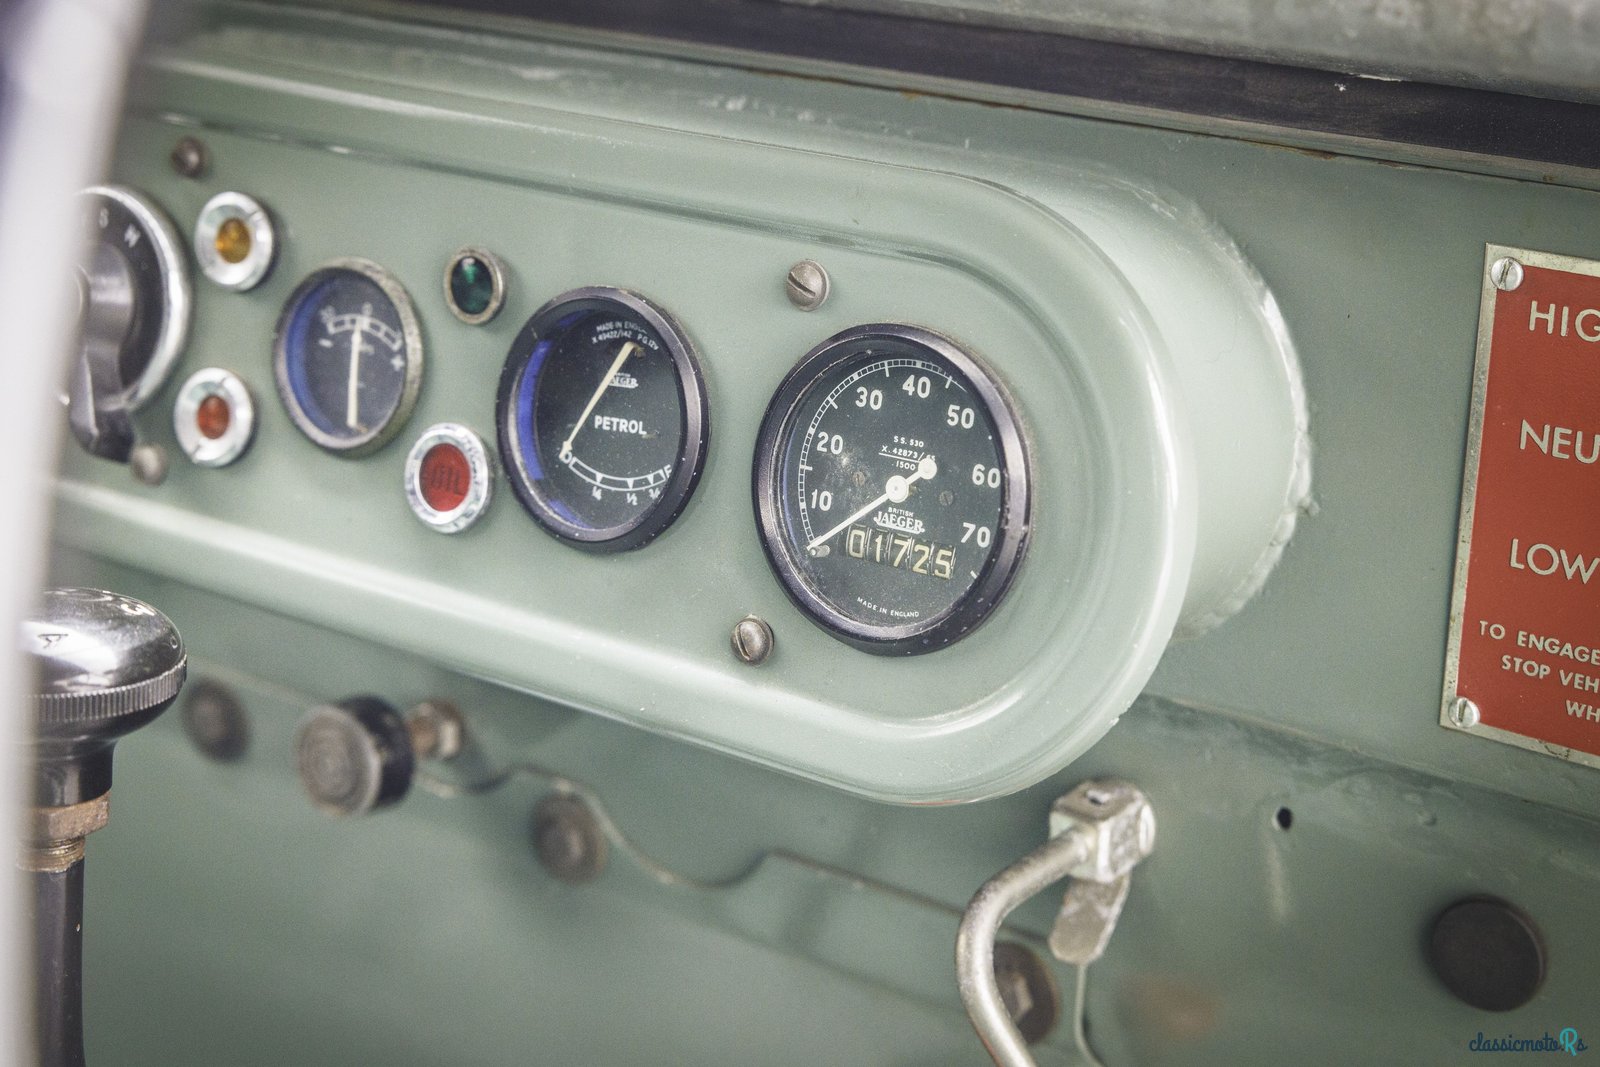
[(605, 383), (895, 490)]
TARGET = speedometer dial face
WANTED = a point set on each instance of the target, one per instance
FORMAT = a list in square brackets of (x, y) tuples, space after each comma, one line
[(602, 419), (891, 488)]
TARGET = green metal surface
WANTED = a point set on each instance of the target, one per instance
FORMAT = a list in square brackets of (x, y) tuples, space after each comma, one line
[(229, 923), (1162, 473)]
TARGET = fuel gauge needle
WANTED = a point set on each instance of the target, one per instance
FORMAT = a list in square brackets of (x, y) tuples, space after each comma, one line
[(605, 383), (895, 490)]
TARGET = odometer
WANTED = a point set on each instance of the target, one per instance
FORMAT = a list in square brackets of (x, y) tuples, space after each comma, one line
[(891, 488)]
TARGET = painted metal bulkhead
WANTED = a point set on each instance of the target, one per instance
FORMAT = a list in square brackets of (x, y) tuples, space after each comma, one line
[(1104, 269)]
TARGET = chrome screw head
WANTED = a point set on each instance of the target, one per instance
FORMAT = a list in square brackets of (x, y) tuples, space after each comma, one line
[(1505, 273), (807, 285), (1464, 713)]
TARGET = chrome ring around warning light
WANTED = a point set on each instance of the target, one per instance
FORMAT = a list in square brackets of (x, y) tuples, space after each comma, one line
[(247, 272), (239, 424), (475, 494)]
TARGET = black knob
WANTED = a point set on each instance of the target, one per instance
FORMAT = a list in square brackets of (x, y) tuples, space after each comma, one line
[(105, 665), (354, 756)]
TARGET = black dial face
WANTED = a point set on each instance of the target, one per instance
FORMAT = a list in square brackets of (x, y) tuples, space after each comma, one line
[(602, 419), (892, 489), (349, 357)]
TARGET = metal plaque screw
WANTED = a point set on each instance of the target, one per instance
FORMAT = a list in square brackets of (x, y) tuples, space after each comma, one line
[(149, 463), (215, 721), (1505, 273), (190, 158), (568, 840), (807, 285), (752, 640), (1464, 713)]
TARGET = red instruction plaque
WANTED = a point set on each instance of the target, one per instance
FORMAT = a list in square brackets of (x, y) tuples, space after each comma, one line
[(1524, 659)]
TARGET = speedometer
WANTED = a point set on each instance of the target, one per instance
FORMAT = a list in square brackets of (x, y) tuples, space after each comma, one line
[(892, 489)]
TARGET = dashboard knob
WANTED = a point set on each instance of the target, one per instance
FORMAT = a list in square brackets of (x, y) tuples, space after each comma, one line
[(134, 310), (105, 665), (354, 756)]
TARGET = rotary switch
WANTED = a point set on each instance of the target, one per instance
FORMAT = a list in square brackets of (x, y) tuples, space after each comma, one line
[(135, 300), (360, 754)]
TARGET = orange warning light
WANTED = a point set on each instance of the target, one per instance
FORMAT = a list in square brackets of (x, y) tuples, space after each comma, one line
[(213, 416), (233, 240)]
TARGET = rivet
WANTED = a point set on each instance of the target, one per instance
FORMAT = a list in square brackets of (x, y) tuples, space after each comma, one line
[(807, 285), (149, 463), (568, 840), (190, 158), (1505, 273), (215, 721), (752, 640), (1464, 713)]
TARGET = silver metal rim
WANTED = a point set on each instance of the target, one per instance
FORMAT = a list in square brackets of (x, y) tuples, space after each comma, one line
[(248, 272), (497, 276), (410, 329), (176, 309), (220, 451), (480, 467)]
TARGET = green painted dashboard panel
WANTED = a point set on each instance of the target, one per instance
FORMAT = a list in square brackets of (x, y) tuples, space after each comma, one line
[(228, 923)]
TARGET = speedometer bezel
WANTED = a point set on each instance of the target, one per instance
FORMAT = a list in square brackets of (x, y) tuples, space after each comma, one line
[(1012, 528)]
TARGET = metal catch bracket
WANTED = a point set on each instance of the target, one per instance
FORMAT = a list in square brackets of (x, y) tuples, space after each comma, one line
[(1117, 822)]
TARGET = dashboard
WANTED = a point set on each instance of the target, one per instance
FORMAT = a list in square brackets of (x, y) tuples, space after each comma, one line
[(816, 470)]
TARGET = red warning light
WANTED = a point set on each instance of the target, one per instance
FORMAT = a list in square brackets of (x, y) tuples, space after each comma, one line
[(445, 477), (213, 416)]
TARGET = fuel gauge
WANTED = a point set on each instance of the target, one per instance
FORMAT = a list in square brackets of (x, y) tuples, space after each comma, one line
[(602, 419), (348, 358)]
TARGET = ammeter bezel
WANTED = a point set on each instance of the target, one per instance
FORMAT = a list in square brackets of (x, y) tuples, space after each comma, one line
[(411, 331)]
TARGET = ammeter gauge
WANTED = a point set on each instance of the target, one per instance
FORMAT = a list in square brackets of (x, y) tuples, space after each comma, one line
[(891, 489), (603, 418), (348, 357)]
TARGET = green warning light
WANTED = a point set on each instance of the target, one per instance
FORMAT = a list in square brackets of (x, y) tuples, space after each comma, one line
[(474, 285)]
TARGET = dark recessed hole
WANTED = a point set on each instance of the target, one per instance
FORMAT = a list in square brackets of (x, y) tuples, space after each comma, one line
[(1284, 818)]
